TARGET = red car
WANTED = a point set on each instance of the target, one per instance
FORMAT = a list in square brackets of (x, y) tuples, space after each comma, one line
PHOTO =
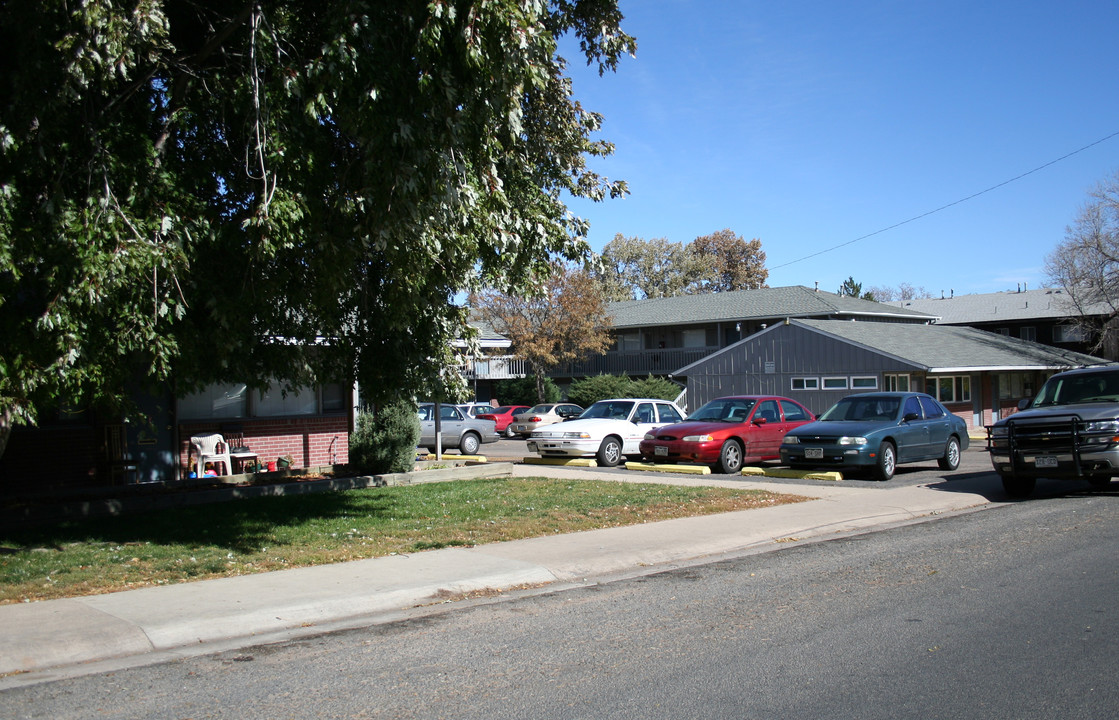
[(728, 432), (503, 415)]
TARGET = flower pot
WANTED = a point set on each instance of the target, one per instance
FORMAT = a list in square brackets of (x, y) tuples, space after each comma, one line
[(271, 466)]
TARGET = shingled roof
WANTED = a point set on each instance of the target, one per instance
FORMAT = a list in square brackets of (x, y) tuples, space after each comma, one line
[(945, 348), (1046, 303), (743, 305)]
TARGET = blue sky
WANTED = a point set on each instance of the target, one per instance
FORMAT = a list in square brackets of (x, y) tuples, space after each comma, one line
[(810, 125)]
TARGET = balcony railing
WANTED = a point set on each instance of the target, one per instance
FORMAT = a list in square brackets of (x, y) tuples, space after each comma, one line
[(498, 367), (635, 362)]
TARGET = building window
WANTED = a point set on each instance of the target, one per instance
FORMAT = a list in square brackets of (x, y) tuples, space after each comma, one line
[(1015, 385), (629, 341), (1069, 334), (216, 402), (835, 383), (333, 398), (897, 383), (949, 388), (806, 383), (864, 383), (274, 401), (1028, 333), (695, 338)]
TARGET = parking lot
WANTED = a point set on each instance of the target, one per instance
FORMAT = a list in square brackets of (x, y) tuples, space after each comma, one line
[(974, 464)]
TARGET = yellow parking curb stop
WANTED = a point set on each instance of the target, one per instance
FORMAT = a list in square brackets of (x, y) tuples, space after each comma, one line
[(684, 469), (571, 462)]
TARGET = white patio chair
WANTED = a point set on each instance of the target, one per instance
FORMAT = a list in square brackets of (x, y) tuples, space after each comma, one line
[(212, 448)]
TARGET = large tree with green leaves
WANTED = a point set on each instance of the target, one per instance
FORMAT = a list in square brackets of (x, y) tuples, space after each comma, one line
[(297, 189), (631, 268)]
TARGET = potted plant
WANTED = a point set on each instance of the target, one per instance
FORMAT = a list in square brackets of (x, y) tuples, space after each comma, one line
[(284, 462)]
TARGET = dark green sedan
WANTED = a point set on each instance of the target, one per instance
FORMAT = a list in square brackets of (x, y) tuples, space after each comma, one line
[(877, 432)]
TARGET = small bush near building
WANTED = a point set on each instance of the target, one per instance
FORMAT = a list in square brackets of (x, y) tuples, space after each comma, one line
[(522, 391), (588, 391), (600, 387), (385, 442), (655, 387)]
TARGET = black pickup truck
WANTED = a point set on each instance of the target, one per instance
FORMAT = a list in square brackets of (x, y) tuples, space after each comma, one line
[(1069, 431)]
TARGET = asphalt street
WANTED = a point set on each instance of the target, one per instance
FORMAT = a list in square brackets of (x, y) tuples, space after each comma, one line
[(999, 614)]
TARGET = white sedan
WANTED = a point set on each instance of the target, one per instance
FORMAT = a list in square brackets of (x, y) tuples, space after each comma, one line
[(607, 430)]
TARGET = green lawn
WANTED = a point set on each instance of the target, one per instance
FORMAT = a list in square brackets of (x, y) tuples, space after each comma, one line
[(262, 534)]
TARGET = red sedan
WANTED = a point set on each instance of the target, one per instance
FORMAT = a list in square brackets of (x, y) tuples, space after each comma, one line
[(728, 432), (503, 415)]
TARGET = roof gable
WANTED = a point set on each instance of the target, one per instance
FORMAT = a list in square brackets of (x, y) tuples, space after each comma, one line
[(951, 347)]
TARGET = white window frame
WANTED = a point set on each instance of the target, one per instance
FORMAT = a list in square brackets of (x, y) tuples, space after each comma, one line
[(835, 383), (959, 388), (807, 383), (894, 382), (857, 380)]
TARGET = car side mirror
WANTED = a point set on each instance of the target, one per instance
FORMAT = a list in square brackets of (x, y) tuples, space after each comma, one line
[(759, 421), (911, 416)]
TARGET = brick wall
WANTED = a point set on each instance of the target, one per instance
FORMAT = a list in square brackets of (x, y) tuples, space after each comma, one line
[(309, 440)]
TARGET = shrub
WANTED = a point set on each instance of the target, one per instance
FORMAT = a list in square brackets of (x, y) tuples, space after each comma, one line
[(385, 442), (600, 387), (590, 390), (655, 387), (522, 391)]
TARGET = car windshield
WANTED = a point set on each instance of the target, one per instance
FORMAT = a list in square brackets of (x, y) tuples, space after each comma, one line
[(1089, 387), (612, 409), (729, 410), (868, 409)]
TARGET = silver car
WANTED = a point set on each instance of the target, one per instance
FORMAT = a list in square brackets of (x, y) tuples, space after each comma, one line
[(457, 429)]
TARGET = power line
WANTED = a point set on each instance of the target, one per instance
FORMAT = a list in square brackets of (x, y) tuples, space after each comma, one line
[(945, 207)]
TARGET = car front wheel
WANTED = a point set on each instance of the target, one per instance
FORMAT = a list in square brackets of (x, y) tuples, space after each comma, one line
[(469, 444), (610, 452), (887, 461), (730, 457), (951, 459)]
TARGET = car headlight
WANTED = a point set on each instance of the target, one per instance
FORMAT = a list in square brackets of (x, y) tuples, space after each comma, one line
[(1000, 431), (697, 438), (1102, 426), (790, 440), (852, 440), (578, 435), (650, 436)]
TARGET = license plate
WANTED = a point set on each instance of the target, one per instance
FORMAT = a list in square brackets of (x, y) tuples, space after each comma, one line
[(532, 447), (1046, 461), (814, 453), (660, 450)]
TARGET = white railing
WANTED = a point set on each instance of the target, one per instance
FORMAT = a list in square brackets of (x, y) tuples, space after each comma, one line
[(497, 367)]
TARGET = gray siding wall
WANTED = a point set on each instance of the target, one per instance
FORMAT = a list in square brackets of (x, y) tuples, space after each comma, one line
[(767, 362)]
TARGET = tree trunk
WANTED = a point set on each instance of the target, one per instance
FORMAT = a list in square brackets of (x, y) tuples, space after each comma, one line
[(5, 429)]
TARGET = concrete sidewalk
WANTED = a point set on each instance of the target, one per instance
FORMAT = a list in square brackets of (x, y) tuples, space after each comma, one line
[(59, 638)]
